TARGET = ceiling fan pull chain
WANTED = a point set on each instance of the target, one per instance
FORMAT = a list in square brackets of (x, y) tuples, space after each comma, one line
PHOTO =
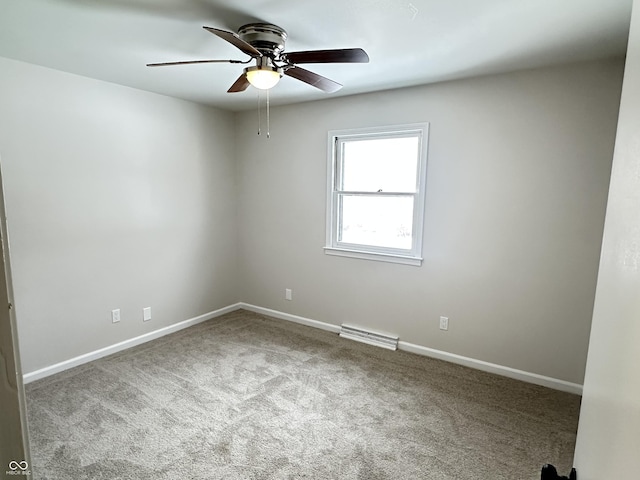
[(259, 120), (268, 126)]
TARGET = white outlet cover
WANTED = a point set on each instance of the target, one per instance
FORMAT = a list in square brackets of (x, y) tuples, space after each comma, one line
[(115, 315), (146, 314), (444, 323)]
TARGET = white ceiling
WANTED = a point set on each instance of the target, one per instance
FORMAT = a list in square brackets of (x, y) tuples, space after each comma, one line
[(409, 42)]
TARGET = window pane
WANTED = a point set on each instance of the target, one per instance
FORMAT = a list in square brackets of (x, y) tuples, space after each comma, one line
[(376, 221), (387, 164)]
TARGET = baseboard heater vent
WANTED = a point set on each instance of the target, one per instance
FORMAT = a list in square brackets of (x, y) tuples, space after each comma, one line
[(366, 336)]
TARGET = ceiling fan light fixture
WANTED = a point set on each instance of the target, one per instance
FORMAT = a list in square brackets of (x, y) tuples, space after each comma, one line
[(265, 43), (263, 77)]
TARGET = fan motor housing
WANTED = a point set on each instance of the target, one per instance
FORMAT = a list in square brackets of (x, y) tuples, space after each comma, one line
[(267, 38)]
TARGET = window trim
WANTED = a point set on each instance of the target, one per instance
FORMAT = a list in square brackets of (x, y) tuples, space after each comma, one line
[(384, 254)]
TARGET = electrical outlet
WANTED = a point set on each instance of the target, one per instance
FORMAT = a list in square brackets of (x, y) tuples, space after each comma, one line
[(146, 314), (444, 323), (115, 315), (288, 294)]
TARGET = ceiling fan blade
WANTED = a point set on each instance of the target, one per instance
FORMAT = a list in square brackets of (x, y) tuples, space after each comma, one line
[(240, 85), (190, 62), (313, 79), (235, 40), (345, 55)]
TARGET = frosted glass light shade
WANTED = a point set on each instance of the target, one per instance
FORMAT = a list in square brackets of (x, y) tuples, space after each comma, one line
[(263, 78)]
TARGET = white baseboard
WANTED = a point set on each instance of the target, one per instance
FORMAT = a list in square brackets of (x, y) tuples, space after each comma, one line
[(292, 318), (528, 377), (509, 372), (118, 347)]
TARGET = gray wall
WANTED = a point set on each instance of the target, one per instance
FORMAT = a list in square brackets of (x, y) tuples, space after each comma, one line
[(517, 181), (609, 430), (124, 199), (116, 198)]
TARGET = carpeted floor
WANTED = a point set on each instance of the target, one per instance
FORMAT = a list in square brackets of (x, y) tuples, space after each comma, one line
[(250, 397)]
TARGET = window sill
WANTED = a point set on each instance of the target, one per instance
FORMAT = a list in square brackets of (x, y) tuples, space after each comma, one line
[(379, 257)]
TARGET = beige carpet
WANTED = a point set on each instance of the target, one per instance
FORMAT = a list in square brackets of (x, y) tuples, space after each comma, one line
[(249, 397)]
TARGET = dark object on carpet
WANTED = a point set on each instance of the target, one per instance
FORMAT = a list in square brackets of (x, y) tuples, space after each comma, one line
[(549, 472)]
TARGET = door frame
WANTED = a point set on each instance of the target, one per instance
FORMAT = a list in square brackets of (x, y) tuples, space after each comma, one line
[(15, 458)]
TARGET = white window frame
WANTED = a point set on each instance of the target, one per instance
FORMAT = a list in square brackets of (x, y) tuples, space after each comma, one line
[(333, 246)]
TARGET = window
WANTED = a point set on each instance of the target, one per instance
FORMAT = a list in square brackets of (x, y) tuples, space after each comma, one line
[(376, 191)]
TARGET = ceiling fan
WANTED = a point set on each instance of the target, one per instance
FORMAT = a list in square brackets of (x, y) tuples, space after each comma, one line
[(264, 43)]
